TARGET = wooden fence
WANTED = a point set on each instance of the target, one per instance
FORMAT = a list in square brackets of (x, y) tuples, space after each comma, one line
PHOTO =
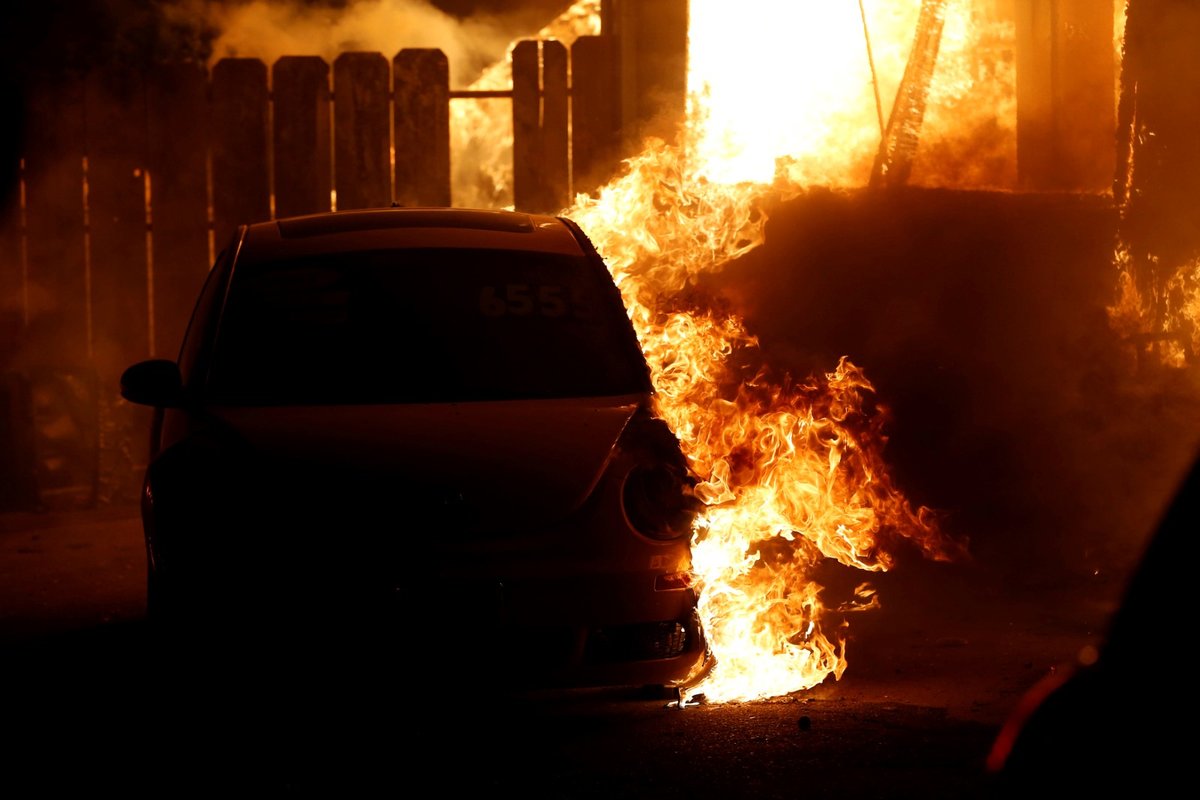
[(131, 179)]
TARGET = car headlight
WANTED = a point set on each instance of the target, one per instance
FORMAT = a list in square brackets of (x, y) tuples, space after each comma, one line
[(658, 501)]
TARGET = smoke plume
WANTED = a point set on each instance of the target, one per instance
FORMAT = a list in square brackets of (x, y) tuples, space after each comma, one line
[(268, 30)]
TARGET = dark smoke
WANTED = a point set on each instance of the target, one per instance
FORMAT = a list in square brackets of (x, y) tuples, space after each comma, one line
[(980, 317), (51, 39), (45, 44)]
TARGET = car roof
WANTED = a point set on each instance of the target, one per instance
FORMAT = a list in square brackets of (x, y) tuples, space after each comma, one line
[(390, 228)]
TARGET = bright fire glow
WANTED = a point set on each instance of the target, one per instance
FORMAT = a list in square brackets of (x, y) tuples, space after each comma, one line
[(826, 130), (747, 130), (791, 471)]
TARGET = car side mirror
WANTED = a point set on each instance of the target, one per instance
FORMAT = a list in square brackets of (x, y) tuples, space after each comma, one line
[(153, 383)]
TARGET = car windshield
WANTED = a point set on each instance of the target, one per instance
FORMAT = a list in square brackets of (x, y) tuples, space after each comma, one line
[(421, 326)]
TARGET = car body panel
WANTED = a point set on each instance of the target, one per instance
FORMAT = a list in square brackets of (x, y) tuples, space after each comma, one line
[(460, 452)]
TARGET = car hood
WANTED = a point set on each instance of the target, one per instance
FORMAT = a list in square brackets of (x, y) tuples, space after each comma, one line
[(481, 466)]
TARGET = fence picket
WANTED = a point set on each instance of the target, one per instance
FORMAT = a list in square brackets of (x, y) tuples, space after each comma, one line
[(240, 179), (527, 140), (422, 127), (300, 87), (361, 130)]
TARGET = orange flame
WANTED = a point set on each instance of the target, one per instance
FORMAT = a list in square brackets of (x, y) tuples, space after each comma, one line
[(791, 473)]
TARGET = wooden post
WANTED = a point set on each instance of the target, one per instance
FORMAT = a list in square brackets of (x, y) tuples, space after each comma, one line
[(421, 84), (1066, 114), (595, 116), (361, 131), (303, 175), (240, 178), (177, 106)]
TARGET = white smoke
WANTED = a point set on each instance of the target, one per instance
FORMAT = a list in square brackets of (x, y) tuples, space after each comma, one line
[(268, 29)]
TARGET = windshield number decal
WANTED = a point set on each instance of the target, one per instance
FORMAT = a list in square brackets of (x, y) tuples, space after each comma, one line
[(522, 300)]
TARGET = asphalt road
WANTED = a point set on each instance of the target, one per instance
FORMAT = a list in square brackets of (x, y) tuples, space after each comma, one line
[(93, 700)]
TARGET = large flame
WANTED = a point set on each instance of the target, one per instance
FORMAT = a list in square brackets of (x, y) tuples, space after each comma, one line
[(791, 473)]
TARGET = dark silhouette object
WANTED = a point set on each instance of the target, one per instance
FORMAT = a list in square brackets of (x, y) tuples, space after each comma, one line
[(1124, 720), (1158, 174)]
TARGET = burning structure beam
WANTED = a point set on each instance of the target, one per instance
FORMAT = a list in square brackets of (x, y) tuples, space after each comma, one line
[(898, 148), (1159, 178)]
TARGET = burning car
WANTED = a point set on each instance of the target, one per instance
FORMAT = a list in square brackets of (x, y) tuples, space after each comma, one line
[(429, 426)]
